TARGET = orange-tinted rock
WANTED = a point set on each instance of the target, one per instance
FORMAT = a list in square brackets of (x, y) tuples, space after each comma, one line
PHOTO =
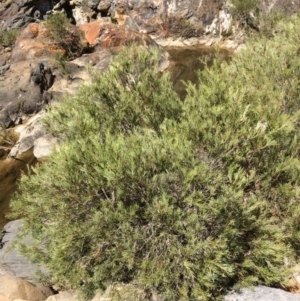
[(34, 29), (114, 36), (91, 31), (33, 43), (12, 287), (111, 35)]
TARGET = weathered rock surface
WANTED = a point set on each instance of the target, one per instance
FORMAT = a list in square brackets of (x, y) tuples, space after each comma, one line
[(106, 34), (262, 293), (33, 43), (12, 262), (65, 296), (12, 288), (164, 18), (30, 134), (29, 93), (33, 144), (18, 13)]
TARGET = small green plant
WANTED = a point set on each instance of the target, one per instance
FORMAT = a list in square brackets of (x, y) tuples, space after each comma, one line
[(113, 20), (64, 34), (8, 37)]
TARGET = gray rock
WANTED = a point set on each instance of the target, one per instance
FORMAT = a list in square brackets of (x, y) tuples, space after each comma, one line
[(43, 146), (12, 262), (3, 69), (29, 134), (262, 293), (23, 12), (93, 3), (104, 6), (26, 96)]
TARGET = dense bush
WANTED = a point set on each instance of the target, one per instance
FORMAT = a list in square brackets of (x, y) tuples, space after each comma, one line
[(184, 199)]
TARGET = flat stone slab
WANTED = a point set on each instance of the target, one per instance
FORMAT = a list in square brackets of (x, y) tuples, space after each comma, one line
[(12, 262), (262, 293)]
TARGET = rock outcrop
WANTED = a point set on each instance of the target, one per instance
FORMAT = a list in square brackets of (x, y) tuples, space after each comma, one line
[(184, 18), (34, 67), (18, 278), (28, 96)]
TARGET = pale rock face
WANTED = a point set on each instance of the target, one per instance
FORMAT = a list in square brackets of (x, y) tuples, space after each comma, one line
[(64, 296), (262, 293), (12, 288), (3, 298), (225, 21), (79, 16), (221, 24)]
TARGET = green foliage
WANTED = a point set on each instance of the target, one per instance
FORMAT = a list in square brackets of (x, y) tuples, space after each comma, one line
[(8, 37), (185, 199), (131, 94), (64, 34), (242, 6), (244, 12)]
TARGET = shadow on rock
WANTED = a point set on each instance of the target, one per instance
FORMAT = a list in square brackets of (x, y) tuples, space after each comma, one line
[(29, 98)]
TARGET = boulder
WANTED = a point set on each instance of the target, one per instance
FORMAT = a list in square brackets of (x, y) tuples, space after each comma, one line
[(28, 133), (43, 146), (12, 287), (13, 263), (19, 13), (34, 43), (33, 144), (107, 34), (64, 296), (28, 96), (262, 293)]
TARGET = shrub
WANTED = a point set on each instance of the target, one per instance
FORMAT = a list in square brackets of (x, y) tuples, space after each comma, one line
[(183, 199), (64, 34), (8, 37)]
